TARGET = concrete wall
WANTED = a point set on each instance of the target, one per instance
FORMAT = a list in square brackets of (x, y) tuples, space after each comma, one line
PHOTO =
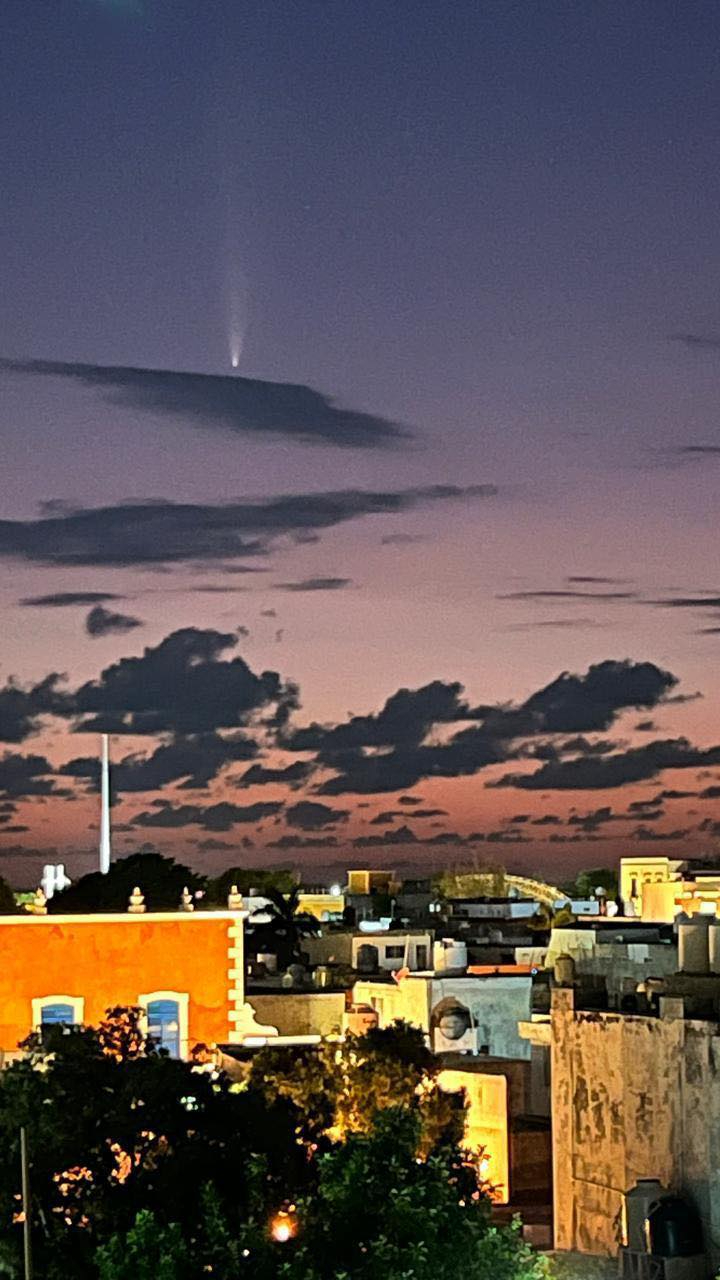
[(497, 1002), (300, 1013), (633, 1097)]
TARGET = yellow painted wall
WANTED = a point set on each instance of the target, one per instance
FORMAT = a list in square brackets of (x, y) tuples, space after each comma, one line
[(321, 905), (486, 1122)]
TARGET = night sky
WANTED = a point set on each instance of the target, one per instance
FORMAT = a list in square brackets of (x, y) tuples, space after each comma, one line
[(464, 258)]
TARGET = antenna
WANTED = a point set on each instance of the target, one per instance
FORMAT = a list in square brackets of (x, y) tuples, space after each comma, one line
[(105, 852)]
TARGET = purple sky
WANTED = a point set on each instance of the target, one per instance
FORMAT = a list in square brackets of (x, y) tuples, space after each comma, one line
[(492, 230)]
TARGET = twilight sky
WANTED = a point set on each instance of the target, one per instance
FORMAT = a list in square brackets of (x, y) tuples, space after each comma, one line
[(465, 261)]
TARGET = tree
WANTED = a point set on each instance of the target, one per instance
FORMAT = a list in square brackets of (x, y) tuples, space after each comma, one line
[(380, 1213), (148, 1251), (161, 880), (339, 1087), (8, 902), (117, 1127), (287, 926), (485, 880), (246, 879), (586, 882)]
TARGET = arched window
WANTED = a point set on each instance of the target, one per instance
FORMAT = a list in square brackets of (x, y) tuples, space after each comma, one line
[(167, 1020), (49, 1011)]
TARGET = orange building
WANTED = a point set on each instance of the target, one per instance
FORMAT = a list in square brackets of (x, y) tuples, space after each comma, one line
[(186, 971)]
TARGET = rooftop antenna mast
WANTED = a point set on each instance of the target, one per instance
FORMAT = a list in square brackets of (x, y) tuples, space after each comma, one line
[(105, 851)]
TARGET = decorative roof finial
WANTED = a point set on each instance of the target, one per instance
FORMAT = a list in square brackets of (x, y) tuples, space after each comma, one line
[(235, 899), (186, 902), (38, 906), (136, 905)]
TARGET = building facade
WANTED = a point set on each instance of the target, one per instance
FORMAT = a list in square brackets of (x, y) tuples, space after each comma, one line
[(632, 1097), (186, 971)]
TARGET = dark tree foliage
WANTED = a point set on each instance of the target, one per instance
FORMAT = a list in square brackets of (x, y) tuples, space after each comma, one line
[(339, 1087), (283, 933), (160, 879), (8, 905), (116, 1127), (247, 879)]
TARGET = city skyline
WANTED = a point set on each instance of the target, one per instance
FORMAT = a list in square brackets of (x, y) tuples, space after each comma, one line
[(378, 357)]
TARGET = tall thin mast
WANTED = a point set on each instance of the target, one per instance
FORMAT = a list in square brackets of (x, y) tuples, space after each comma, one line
[(105, 808)]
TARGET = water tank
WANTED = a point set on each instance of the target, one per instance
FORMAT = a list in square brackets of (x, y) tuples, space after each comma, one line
[(635, 1209), (294, 977), (714, 946), (564, 971), (269, 959), (450, 955), (672, 1229), (693, 945)]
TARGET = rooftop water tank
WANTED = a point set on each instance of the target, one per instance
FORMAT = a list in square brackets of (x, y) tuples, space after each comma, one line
[(635, 1209), (450, 955), (564, 971), (269, 959), (672, 1229), (694, 945)]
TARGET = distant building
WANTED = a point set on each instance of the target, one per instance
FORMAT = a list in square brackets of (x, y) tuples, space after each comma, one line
[(371, 951), (186, 970), (658, 888), (468, 1012)]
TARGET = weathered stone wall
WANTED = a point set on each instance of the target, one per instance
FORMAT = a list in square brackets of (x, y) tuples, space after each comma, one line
[(633, 1097), (300, 1013)]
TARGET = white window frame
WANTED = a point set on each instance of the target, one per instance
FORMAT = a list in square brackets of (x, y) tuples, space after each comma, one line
[(77, 1004), (182, 999)]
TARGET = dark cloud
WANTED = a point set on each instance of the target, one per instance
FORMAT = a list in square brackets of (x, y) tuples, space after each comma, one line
[(699, 450), (594, 820), (103, 622), (268, 613), (406, 717), (397, 835), (570, 595), (707, 601), (303, 842), (22, 710), (570, 704), (638, 764), (161, 533), (258, 775), (645, 833), (311, 816), (22, 776), (591, 580), (315, 584), (707, 793), (214, 817), (196, 760), (555, 624), (181, 686), (243, 406), (703, 341), (400, 539), (60, 599), (409, 800)]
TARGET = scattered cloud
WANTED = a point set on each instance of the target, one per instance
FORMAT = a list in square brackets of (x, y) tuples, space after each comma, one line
[(61, 599), (181, 685), (22, 710), (569, 595), (311, 816), (214, 817), (638, 764), (156, 533), (698, 341), (242, 406), (292, 775), (103, 622), (315, 584)]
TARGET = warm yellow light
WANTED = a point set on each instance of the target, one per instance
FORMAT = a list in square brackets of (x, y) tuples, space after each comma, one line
[(283, 1226)]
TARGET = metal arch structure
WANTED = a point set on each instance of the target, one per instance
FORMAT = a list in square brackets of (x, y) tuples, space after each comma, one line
[(549, 894)]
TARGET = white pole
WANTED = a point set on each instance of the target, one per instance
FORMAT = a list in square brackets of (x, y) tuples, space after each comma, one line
[(105, 808)]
